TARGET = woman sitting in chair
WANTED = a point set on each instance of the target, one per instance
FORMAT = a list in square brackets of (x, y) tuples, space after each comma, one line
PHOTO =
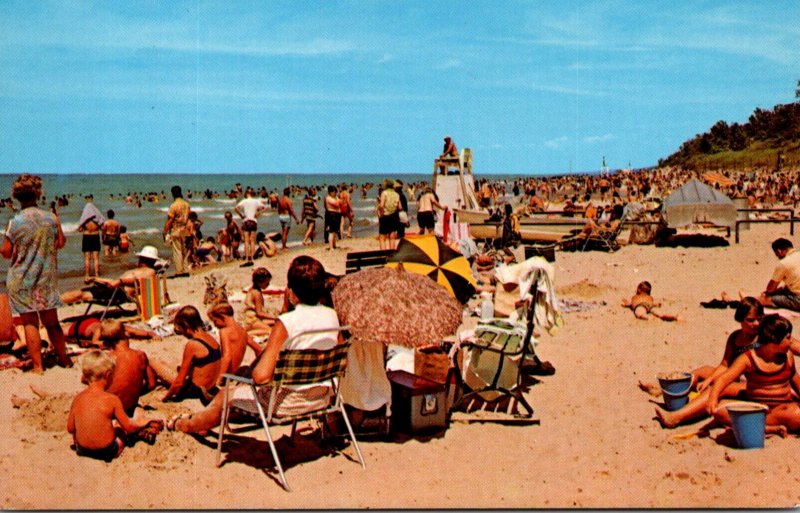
[(594, 228), (306, 284)]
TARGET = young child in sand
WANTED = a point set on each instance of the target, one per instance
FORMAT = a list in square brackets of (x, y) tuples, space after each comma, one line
[(771, 378), (92, 332), (93, 413), (233, 339), (749, 314), (643, 304), (133, 375), (258, 321), (197, 375)]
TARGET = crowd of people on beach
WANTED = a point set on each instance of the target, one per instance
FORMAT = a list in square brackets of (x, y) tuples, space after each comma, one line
[(117, 375)]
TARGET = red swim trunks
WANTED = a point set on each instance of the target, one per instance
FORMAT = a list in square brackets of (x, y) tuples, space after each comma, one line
[(79, 329)]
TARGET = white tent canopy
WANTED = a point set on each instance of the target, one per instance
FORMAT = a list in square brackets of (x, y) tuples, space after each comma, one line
[(696, 202)]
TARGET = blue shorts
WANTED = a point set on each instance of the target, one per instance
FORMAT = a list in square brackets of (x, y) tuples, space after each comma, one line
[(785, 298)]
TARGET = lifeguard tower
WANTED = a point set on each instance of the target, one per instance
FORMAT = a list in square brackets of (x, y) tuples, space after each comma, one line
[(454, 185)]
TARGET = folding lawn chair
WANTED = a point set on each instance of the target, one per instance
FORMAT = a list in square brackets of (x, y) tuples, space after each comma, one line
[(602, 240), (493, 365), (107, 297), (294, 367)]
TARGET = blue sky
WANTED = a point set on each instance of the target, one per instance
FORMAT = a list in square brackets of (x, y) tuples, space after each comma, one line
[(373, 86)]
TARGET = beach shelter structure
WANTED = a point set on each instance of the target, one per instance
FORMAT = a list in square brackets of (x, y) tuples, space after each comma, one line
[(696, 202), (429, 256)]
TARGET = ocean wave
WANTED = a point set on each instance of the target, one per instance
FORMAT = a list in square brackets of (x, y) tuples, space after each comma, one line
[(197, 209), (145, 231), (69, 227)]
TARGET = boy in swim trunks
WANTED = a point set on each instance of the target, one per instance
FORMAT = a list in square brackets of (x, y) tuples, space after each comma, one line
[(133, 375), (285, 216), (94, 411), (643, 304)]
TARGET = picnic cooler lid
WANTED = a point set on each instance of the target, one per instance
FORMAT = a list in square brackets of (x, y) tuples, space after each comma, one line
[(417, 384)]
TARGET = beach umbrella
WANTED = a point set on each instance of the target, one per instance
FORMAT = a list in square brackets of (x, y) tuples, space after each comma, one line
[(696, 202), (394, 306), (429, 256)]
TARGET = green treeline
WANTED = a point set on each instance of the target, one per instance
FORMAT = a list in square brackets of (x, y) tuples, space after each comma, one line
[(769, 138)]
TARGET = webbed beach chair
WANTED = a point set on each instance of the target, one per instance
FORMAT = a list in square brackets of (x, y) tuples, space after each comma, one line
[(603, 240), (294, 368), (106, 297), (494, 361)]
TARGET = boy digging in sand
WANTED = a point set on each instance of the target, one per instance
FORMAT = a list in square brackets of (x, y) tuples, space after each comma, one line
[(643, 304), (133, 375), (93, 413)]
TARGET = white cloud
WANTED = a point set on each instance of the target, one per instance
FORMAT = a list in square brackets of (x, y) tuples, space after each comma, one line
[(557, 143), (599, 138)]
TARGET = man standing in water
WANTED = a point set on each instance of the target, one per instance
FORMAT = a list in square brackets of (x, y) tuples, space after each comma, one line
[(249, 209), (285, 216), (176, 230)]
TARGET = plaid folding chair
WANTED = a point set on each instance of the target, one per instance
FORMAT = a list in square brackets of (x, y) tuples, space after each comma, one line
[(294, 367)]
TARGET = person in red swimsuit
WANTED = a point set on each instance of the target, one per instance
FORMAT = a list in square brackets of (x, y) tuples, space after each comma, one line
[(771, 378)]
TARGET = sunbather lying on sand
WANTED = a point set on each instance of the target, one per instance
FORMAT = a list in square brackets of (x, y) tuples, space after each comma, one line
[(643, 304), (91, 331)]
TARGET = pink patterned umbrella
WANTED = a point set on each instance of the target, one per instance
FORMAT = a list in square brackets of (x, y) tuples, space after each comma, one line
[(394, 306)]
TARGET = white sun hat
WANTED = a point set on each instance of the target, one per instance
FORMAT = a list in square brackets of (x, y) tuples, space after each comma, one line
[(148, 252)]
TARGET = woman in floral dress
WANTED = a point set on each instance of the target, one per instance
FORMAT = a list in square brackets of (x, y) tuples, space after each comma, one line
[(31, 241)]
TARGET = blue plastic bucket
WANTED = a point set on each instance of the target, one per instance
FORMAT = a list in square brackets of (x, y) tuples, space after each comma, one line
[(748, 421), (675, 389)]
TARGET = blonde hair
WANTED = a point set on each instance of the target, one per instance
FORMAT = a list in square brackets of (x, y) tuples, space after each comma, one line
[(112, 331), (95, 365), (220, 310)]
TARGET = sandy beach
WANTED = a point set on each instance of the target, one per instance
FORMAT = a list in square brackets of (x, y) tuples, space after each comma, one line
[(597, 444)]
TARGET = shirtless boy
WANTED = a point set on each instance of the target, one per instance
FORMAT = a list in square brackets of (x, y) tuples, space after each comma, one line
[(233, 339), (133, 375), (643, 304), (94, 411)]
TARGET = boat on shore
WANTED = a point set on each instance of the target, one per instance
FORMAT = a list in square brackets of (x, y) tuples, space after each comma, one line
[(454, 184)]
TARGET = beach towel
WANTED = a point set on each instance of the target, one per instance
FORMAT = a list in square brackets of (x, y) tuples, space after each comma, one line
[(91, 211), (547, 313), (365, 385)]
